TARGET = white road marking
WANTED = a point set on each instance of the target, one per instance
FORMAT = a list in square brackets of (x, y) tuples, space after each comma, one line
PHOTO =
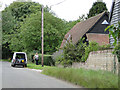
[(35, 70)]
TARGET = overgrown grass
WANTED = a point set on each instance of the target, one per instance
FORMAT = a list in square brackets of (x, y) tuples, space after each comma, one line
[(83, 77)]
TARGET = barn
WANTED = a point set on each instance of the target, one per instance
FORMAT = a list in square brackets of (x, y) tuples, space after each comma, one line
[(91, 29)]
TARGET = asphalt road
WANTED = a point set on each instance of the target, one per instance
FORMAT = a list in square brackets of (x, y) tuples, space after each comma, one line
[(19, 77)]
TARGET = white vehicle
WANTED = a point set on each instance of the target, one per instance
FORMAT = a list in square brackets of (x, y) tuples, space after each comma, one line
[(19, 58)]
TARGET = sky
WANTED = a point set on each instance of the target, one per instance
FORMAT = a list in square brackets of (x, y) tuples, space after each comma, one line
[(68, 10)]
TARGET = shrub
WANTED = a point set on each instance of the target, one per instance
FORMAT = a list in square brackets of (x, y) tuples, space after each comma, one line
[(47, 60), (93, 46), (73, 53), (77, 53)]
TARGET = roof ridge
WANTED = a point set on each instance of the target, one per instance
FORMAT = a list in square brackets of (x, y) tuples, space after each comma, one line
[(94, 16)]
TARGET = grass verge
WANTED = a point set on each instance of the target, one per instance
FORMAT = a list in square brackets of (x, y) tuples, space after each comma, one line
[(34, 66), (5, 60), (83, 77)]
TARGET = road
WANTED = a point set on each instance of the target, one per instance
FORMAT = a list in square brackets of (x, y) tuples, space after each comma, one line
[(19, 77)]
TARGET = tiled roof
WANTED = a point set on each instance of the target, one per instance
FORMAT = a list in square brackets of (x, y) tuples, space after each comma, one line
[(81, 28)]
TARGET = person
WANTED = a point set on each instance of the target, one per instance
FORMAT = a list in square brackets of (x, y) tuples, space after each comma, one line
[(36, 58)]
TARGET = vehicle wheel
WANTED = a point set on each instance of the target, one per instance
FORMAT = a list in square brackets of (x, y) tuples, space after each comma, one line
[(25, 65), (13, 65)]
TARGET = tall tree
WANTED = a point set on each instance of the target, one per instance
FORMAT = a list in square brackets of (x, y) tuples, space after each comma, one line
[(28, 36), (97, 7), (12, 16)]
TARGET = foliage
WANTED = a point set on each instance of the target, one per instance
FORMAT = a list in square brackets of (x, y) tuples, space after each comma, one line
[(7, 60), (97, 7), (115, 32), (20, 10), (83, 77), (38, 67), (8, 22), (82, 18), (93, 46), (22, 28), (59, 59), (117, 51), (47, 60), (72, 53), (11, 18), (78, 53), (28, 36)]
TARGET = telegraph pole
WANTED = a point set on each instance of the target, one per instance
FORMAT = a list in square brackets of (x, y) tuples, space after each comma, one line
[(42, 29)]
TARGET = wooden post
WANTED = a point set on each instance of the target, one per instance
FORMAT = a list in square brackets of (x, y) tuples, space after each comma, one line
[(42, 18)]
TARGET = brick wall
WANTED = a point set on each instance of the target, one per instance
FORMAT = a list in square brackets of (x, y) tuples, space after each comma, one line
[(99, 60)]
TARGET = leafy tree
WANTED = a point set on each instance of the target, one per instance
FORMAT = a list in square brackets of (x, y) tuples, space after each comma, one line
[(28, 36), (22, 28), (12, 16), (8, 22), (97, 7), (21, 10)]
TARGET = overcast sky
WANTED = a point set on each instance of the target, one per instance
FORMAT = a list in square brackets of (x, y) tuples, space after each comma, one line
[(68, 9)]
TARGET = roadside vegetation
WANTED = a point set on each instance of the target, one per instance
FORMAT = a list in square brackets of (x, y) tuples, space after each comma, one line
[(5, 60), (77, 53), (21, 26), (22, 30), (83, 77), (34, 66)]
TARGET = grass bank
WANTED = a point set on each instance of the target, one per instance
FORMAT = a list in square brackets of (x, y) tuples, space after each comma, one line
[(85, 78)]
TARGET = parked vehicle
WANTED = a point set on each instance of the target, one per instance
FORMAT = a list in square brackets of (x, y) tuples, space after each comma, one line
[(19, 58)]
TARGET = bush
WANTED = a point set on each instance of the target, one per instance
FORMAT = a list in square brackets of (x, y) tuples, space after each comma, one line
[(77, 53), (47, 60), (72, 53), (93, 46)]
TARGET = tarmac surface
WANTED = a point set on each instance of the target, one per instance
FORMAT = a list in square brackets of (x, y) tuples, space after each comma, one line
[(19, 77)]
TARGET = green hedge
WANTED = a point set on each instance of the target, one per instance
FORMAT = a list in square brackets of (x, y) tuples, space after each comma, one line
[(47, 60)]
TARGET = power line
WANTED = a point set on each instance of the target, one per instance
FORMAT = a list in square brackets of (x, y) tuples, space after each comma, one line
[(58, 3)]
